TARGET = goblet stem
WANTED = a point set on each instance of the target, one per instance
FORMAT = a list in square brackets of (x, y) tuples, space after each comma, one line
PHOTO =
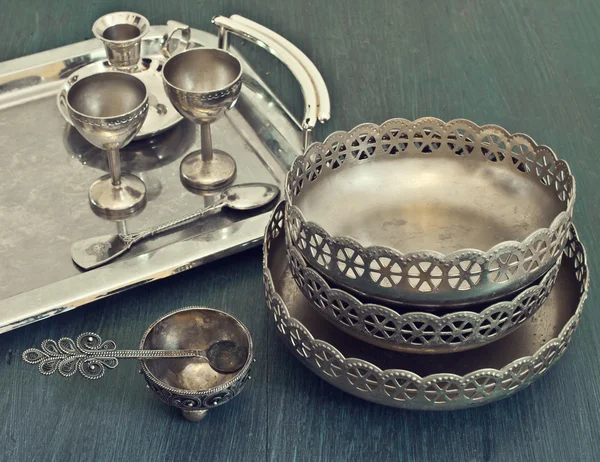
[(114, 165), (206, 142), (122, 227)]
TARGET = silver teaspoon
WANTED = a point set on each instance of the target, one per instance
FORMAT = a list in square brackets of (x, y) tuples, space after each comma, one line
[(90, 355), (97, 251)]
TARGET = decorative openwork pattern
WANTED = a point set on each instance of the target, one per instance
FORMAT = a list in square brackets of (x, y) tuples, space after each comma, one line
[(88, 354), (402, 388), (464, 276), (418, 331)]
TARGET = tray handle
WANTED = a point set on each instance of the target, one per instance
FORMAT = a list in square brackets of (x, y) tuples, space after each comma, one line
[(316, 97)]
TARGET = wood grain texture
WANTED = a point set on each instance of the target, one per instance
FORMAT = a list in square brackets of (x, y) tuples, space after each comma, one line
[(530, 66)]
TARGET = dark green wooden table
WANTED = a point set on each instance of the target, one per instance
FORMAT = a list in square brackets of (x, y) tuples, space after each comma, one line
[(530, 66)]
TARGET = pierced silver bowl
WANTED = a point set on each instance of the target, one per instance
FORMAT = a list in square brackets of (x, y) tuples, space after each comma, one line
[(433, 382), (450, 188), (418, 331)]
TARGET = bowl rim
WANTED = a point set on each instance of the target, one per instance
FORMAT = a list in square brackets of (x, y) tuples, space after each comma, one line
[(98, 31), (567, 212), (225, 88), (315, 162)]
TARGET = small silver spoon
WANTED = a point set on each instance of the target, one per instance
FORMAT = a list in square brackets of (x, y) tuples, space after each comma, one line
[(96, 251), (89, 355)]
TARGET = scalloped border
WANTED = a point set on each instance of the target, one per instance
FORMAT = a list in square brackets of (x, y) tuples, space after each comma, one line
[(563, 218), (397, 344), (558, 344)]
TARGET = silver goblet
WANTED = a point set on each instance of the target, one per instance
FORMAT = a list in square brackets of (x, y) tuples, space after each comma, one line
[(202, 84), (122, 33), (108, 110)]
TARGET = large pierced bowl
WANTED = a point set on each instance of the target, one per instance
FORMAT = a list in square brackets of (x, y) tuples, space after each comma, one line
[(429, 213)]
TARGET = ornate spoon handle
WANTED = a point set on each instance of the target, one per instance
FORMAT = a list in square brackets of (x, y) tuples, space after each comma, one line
[(132, 238), (89, 355)]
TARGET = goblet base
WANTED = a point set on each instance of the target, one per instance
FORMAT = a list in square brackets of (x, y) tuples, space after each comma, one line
[(196, 173), (117, 201)]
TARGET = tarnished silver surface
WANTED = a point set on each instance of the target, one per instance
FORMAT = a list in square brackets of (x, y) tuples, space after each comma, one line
[(432, 382), (203, 84), (37, 277), (155, 43), (397, 211), (191, 384), (121, 33), (99, 250), (417, 331), (108, 110)]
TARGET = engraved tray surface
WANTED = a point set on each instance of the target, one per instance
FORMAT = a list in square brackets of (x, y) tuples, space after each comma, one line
[(48, 169)]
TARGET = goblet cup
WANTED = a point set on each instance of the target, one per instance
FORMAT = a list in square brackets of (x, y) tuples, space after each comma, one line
[(121, 34), (202, 84), (108, 110)]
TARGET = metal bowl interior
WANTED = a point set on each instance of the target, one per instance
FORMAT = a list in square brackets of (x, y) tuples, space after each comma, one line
[(107, 95), (193, 328), (203, 83), (202, 70), (414, 381), (435, 203)]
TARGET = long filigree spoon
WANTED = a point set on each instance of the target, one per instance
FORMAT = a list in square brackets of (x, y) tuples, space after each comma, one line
[(96, 251), (89, 355)]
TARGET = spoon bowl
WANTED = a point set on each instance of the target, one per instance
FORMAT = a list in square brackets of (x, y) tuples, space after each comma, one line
[(249, 196)]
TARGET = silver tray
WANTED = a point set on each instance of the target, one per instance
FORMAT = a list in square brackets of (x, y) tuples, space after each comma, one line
[(413, 381), (396, 211), (49, 167)]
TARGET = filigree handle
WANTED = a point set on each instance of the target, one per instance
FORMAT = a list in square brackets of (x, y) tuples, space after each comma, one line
[(89, 355)]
